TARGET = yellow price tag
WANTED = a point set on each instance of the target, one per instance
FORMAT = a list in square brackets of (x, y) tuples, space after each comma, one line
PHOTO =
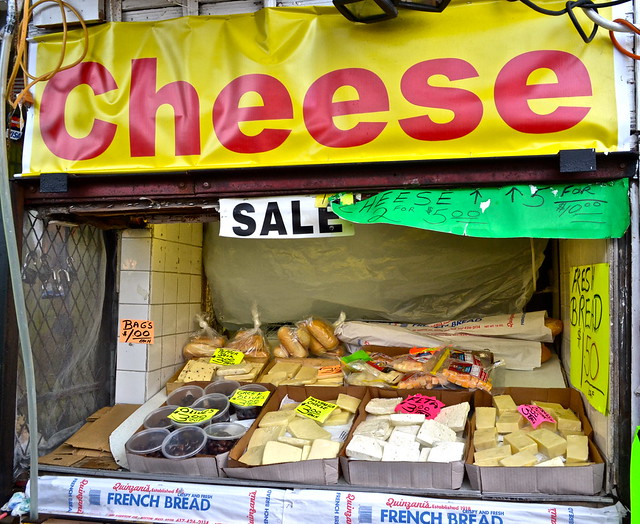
[(187, 415), (315, 409), (246, 398), (226, 357)]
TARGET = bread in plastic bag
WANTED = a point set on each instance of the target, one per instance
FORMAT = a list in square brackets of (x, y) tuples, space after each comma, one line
[(322, 339), (203, 342), (251, 341)]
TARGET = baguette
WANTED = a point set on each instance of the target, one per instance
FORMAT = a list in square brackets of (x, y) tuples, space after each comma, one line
[(323, 333)]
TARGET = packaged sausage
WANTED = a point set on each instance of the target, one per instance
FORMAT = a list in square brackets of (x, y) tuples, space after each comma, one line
[(467, 369)]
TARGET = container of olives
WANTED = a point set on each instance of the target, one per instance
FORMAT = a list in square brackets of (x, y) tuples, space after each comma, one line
[(185, 396), (158, 418), (214, 401), (147, 442), (184, 442), (222, 436)]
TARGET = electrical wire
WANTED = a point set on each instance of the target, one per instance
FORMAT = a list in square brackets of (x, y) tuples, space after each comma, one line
[(21, 52), (617, 44)]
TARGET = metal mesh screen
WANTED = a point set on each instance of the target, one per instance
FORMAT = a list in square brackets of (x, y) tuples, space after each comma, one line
[(63, 276)]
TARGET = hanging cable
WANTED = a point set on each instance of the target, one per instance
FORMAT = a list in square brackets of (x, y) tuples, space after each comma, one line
[(617, 44), (21, 53)]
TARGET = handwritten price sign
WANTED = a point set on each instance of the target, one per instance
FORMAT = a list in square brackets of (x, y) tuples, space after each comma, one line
[(535, 414), (226, 357), (315, 409), (186, 415), (245, 398), (421, 405), (136, 331)]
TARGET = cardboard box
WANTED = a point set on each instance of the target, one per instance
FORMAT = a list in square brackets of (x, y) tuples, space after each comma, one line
[(198, 466), (320, 471), (574, 480), (405, 474), (173, 384)]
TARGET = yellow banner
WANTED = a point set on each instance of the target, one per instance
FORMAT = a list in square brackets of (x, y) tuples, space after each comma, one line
[(299, 86)]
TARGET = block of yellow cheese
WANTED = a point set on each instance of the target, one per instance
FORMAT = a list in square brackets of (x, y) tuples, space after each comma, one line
[(323, 449), (261, 436), (485, 417), (509, 421), (485, 438), (338, 418), (197, 370), (568, 420), (520, 459), (253, 456), (348, 402), (520, 441), (504, 404), (554, 462), (286, 367), (577, 448), (498, 452), (549, 443)]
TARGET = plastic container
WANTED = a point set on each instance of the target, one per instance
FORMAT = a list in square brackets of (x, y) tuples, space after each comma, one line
[(226, 387), (147, 442), (222, 436), (247, 412), (214, 401), (185, 396), (158, 418), (184, 442)]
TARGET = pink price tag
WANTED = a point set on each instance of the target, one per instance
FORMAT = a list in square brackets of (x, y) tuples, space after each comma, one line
[(420, 404), (535, 414)]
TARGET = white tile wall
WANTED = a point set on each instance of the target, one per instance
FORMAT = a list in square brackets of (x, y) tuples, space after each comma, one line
[(160, 279)]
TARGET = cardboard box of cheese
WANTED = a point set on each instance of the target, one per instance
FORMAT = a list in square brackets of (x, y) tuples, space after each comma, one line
[(401, 473), (581, 479), (317, 471)]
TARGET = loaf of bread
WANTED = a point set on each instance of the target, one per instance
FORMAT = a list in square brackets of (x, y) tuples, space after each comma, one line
[(555, 325), (202, 346), (289, 340), (322, 332)]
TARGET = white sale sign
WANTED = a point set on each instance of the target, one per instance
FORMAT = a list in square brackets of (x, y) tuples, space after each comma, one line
[(302, 216)]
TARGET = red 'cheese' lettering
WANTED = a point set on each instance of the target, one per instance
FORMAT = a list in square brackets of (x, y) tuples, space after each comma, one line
[(324, 102)]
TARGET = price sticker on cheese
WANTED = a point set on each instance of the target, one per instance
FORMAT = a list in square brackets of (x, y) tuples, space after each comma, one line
[(242, 397), (535, 414), (421, 405), (226, 357), (187, 415), (315, 409)]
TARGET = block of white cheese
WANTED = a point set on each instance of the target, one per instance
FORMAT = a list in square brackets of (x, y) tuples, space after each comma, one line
[(276, 452), (307, 429), (554, 462), (382, 406), (432, 432), (324, 449), (424, 454), (197, 370), (401, 437), (362, 447), (412, 430), (407, 452), (454, 416), (306, 449), (378, 428), (577, 448), (406, 419), (549, 443), (485, 417), (446, 452)]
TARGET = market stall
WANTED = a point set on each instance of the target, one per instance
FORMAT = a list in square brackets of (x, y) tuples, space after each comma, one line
[(363, 315)]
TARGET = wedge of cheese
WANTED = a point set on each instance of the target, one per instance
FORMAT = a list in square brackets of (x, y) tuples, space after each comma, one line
[(376, 428), (307, 429), (407, 452), (406, 419), (498, 452), (382, 406), (293, 441), (446, 452), (454, 416), (432, 432), (261, 436), (277, 418), (338, 419), (362, 447), (551, 463), (276, 452), (520, 459), (323, 449), (197, 370), (253, 456), (348, 402)]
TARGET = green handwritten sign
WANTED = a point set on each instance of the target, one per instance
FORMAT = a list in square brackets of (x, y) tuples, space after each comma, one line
[(597, 210), (590, 333)]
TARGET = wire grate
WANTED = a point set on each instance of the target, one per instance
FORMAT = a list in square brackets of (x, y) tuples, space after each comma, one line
[(63, 277)]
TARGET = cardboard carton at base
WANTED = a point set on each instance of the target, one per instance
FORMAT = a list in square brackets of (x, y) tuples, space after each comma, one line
[(406, 474), (319, 471), (173, 384), (562, 480)]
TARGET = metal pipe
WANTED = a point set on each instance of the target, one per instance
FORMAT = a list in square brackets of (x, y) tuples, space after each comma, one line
[(15, 267)]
